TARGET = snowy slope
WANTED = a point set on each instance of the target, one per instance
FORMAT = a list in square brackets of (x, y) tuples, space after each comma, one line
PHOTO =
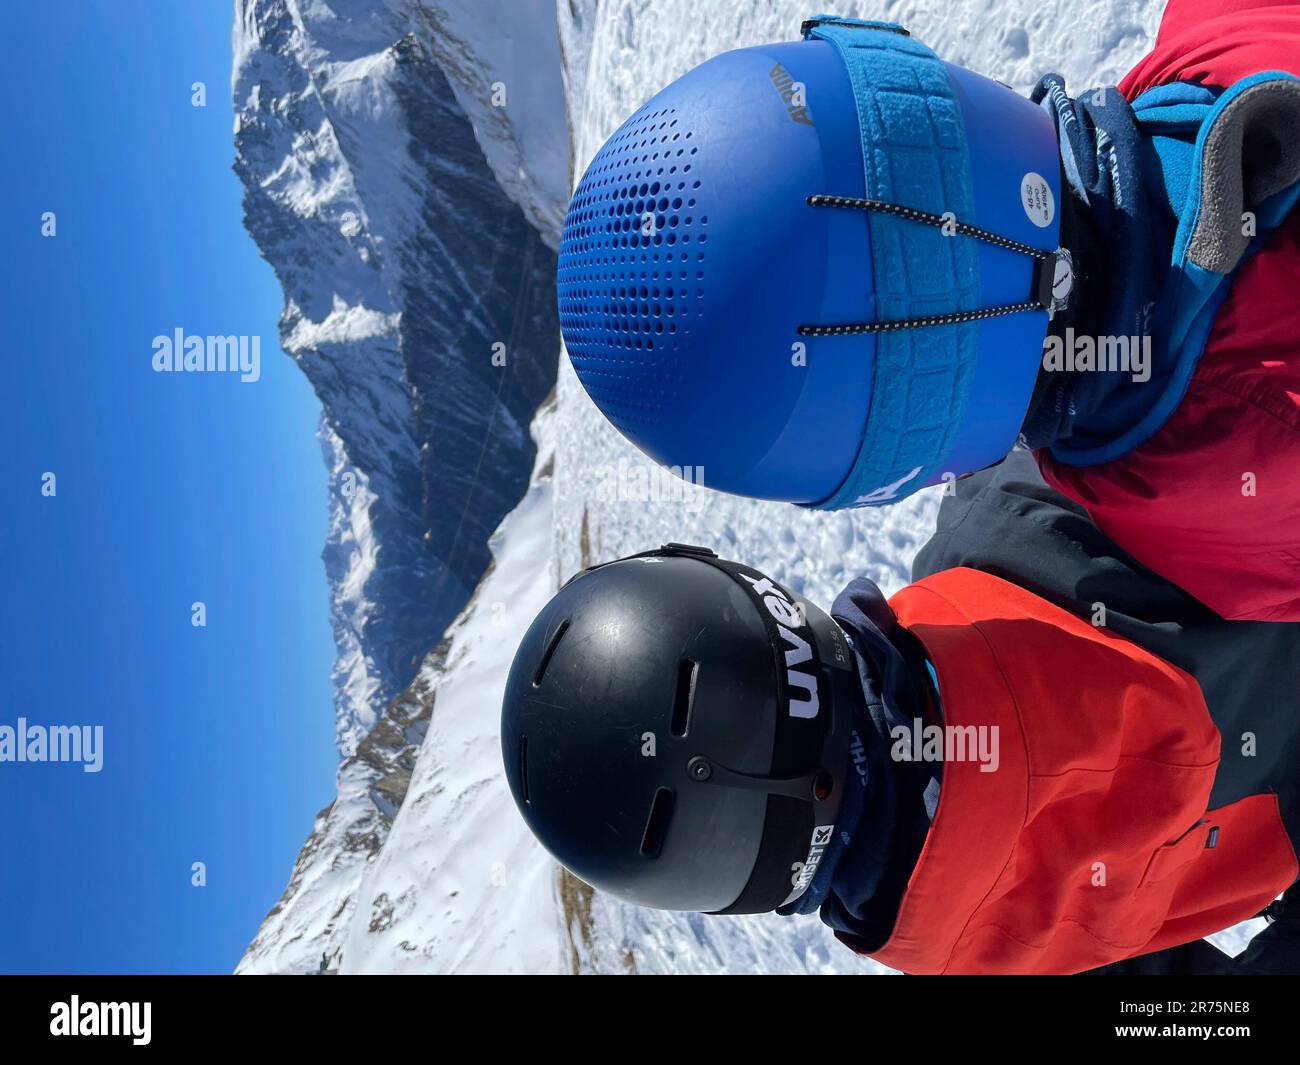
[(456, 883), (461, 885)]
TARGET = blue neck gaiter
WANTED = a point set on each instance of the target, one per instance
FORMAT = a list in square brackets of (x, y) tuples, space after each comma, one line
[(1118, 226), (887, 805)]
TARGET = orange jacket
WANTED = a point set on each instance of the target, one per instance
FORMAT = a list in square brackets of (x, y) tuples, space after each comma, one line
[(1091, 841)]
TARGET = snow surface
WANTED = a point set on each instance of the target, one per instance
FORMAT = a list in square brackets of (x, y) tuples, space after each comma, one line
[(458, 884)]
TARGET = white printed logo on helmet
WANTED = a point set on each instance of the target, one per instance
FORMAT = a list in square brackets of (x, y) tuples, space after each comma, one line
[(1037, 199), (802, 873), (886, 492), (790, 616)]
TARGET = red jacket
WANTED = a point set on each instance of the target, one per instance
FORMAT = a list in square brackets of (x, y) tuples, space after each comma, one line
[(1212, 501), (1091, 841)]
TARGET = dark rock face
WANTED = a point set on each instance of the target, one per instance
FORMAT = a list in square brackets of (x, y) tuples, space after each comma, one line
[(481, 330)]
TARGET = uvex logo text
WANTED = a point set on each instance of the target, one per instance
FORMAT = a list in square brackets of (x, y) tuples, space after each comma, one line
[(789, 617)]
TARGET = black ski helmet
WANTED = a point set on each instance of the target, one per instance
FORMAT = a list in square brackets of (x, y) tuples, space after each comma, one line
[(675, 732)]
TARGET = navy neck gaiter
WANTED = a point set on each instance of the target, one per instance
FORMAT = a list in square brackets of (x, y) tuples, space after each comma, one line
[(887, 805), (1118, 226)]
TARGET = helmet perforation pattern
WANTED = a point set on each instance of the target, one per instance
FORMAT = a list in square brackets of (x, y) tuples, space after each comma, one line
[(632, 268)]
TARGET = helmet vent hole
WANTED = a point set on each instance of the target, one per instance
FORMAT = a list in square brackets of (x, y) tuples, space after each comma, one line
[(523, 770), (684, 697), (656, 825), (549, 653)]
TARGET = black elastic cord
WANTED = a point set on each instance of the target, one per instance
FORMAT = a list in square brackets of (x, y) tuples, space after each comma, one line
[(939, 222), (917, 323)]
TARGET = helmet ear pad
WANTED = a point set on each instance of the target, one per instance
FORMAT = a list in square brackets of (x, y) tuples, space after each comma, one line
[(671, 741)]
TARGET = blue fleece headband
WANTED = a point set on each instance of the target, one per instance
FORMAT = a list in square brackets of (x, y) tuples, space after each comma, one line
[(914, 152)]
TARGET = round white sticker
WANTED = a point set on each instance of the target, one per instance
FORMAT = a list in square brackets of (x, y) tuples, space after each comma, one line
[(1063, 279), (1037, 199)]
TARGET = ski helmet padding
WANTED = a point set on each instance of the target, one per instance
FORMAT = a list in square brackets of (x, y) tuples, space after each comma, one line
[(664, 756), (691, 257)]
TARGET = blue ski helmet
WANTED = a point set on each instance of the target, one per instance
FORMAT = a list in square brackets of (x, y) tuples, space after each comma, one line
[(817, 271)]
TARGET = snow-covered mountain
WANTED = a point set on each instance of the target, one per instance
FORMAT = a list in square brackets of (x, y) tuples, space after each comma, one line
[(416, 256), (421, 864)]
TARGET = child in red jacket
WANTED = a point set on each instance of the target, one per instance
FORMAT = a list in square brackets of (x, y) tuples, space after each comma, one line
[(1211, 498), (835, 271)]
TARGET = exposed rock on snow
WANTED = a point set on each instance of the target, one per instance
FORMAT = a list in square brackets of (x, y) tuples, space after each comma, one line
[(305, 930)]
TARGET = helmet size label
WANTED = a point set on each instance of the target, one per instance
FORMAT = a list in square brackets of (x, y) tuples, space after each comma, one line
[(1037, 199)]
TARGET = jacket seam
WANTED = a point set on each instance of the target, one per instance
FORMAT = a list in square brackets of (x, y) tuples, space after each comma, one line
[(1127, 758), (1220, 381)]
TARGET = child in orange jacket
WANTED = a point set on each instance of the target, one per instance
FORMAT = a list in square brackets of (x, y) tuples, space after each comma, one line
[(1037, 758)]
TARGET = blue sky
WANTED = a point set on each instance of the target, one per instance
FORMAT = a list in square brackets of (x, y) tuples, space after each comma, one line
[(171, 489)]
